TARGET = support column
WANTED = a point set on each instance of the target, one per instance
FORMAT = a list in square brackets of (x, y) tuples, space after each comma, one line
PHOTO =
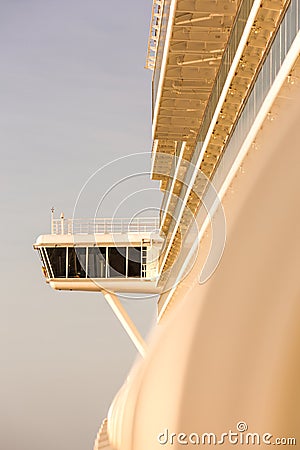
[(126, 322)]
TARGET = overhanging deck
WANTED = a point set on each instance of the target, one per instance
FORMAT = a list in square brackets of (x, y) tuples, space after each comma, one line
[(192, 36)]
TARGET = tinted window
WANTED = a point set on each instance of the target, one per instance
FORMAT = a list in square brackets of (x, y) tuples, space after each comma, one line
[(76, 262), (57, 258), (117, 262), (134, 261), (40, 255), (45, 262), (96, 262)]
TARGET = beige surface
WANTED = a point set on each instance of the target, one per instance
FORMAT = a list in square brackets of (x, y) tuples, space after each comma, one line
[(229, 350)]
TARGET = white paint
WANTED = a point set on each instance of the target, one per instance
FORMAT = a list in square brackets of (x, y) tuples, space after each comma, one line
[(126, 322)]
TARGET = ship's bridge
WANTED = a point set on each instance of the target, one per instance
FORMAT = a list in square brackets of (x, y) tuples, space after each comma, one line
[(117, 255)]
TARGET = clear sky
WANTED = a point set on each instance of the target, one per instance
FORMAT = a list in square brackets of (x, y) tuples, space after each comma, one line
[(74, 96)]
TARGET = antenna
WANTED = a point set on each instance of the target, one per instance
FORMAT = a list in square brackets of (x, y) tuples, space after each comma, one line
[(52, 220)]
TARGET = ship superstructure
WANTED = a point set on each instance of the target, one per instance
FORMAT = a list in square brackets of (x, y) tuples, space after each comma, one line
[(222, 73), (217, 69)]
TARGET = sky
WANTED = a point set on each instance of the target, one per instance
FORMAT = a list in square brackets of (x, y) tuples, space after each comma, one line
[(74, 97)]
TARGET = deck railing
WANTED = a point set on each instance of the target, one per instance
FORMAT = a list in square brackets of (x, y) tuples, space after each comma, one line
[(104, 226)]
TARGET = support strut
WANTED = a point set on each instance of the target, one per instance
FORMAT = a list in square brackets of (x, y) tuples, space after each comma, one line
[(126, 322)]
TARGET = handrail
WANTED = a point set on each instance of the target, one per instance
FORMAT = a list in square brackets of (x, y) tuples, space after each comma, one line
[(104, 225)]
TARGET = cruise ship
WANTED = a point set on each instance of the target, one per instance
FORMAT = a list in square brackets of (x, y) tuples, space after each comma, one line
[(222, 365)]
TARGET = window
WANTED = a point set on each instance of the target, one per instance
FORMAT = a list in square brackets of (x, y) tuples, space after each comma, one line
[(117, 262), (76, 262), (134, 262), (96, 262), (41, 256), (45, 261), (57, 259)]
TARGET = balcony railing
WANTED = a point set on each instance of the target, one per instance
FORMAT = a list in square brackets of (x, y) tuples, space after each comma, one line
[(104, 226)]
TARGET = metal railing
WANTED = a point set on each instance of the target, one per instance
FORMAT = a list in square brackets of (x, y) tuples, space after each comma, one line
[(104, 226)]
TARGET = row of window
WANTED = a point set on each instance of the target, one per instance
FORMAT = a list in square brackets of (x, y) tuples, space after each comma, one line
[(94, 262)]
